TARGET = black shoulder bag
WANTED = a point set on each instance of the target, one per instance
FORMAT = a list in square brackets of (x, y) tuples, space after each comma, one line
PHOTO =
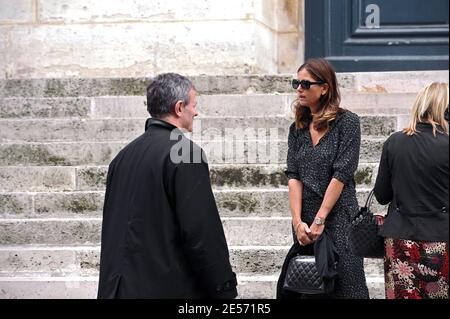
[(363, 236)]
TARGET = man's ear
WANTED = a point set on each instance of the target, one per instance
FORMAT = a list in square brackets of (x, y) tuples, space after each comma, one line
[(179, 107)]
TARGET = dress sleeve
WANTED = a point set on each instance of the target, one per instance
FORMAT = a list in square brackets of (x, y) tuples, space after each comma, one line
[(347, 157), (383, 187), (292, 171)]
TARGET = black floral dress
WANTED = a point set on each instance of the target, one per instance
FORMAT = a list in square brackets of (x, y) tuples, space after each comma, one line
[(335, 156)]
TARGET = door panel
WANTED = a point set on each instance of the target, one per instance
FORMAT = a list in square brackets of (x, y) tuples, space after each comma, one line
[(410, 34)]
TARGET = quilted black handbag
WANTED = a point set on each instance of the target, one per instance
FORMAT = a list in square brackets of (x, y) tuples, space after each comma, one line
[(363, 237), (302, 277), (311, 274)]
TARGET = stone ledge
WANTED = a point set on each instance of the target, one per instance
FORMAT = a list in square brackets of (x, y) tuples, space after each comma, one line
[(86, 288), (214, 105), (34, 261), (89, 153), (87, 231), (248, 202), (93, 178), (239, 231), (222, 129), (378, 82)]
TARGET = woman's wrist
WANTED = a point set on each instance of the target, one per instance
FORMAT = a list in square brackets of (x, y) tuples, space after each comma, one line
[(296, 225), (323, 213)]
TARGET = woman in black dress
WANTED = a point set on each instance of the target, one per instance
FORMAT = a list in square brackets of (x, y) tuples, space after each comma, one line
[(323, 153)]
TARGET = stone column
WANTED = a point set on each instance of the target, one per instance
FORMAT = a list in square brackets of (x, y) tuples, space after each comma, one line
[(284, 19), (288, 35)]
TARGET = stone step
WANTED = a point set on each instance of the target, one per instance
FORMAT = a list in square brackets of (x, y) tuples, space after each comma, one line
[(78, 87), (255, 202), (218, 152), (48, 287), (239, 231), (62, 154), (89, 178), (245, 231), (230, 105), (57, 178), (379, 82), (249, 287), (85, 261), (44, 107), (205, 129)]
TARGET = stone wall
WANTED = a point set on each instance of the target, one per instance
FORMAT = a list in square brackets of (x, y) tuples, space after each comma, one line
[(116, 38)]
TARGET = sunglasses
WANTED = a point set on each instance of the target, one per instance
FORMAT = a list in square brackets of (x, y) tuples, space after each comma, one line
[(305, 84)]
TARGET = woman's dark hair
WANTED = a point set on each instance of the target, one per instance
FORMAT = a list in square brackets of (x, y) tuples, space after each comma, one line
[(321, 70)]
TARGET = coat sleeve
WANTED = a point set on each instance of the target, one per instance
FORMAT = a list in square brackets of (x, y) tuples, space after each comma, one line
[(202, 233), (383, 187), (109, 178)]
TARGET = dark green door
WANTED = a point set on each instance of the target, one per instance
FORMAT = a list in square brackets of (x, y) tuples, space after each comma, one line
[(378, 35)]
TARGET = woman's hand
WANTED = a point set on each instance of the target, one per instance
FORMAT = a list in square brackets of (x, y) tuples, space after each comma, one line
[(316, 231), (303, 232)]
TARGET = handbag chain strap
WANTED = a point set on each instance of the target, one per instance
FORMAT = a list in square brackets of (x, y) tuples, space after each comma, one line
[(369, 200)]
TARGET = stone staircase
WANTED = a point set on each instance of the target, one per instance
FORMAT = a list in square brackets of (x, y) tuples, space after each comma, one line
[(57, 137)]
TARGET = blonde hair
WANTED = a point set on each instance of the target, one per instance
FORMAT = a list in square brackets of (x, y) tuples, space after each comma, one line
[(429, 107)]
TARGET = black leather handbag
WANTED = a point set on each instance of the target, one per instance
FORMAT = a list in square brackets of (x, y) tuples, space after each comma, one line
[(302, 277), (312, 274), (363, 237)]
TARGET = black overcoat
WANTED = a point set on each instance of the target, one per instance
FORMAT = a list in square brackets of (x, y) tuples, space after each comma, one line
[(162, 236), (413, 177)]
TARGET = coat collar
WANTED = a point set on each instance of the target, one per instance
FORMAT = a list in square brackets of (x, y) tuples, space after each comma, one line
[(154, 121), (425, 126)]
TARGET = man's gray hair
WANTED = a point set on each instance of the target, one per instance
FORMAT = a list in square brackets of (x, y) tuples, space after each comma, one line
[(165, 91)]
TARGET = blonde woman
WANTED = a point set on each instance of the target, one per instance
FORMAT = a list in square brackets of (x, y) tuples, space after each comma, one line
[(414, 178)]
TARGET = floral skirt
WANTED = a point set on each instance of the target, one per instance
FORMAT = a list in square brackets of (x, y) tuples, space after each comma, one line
[(416, 269)]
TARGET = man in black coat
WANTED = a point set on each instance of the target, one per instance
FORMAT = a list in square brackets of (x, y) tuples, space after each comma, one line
[(162, 236)]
